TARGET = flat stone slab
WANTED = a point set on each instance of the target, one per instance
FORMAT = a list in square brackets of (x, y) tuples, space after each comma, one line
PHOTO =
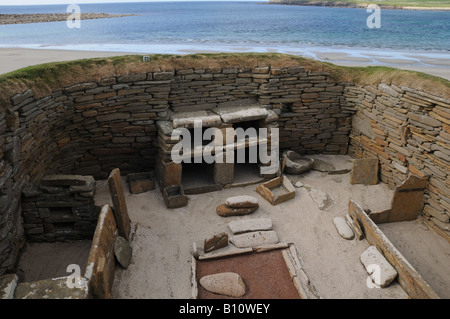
[(241, 113), (250, 225), (322, 199), (54, 288), (8, 284), (343, 228), (225, 211), (407, 201), (364, 171), (254, 239), (243, 201), (120, 208), (122, 251), (226, 283), (65, 180), (379, 269), (186, 119), (215, 242), (322, 166)]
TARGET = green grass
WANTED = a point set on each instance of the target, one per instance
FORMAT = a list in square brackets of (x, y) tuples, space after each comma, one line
[(397, 3), (47, 78)]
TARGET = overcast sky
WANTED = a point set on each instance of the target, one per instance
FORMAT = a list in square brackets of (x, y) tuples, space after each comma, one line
[(39, 2)]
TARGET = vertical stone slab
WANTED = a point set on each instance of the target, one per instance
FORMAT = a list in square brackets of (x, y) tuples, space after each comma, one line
[(171, 174), (119, 203), (408, 278), (100, 267), (408, 199), (8, 284), (365, 171), (223, 173)]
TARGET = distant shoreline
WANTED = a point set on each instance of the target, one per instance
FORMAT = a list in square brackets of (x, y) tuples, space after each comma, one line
[(52, 17), (345, 4)]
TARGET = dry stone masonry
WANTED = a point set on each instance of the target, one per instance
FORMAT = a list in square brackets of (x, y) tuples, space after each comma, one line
[(123, 120), (409, 132), (59, 208)]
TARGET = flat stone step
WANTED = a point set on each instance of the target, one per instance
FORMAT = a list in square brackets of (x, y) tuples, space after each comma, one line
[(242, 201), (250, 225), (379, 269), (241, 113), (254, 239)]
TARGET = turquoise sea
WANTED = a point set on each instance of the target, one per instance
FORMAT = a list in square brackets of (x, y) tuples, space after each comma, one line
[(185, 27)]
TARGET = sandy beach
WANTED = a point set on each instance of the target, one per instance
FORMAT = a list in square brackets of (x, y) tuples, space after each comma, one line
[(434, 64)]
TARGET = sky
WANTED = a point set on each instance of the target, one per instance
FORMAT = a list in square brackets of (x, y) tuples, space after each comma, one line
[(42, 2)]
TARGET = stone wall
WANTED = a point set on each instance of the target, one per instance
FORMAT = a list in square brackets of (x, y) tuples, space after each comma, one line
[(409, 131), (60, 208), (89, 128), (106, 119)]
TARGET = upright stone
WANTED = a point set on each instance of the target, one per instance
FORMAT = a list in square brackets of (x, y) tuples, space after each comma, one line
[(100, 267), (122, 251), (119, 203), (8, 284), (408, 199), (365, 171), (215, 242)]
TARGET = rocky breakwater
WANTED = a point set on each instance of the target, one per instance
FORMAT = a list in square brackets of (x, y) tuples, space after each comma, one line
[(52, 17)]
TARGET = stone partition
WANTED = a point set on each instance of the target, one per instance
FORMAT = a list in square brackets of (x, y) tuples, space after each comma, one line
[(90, 117), (409, 131)]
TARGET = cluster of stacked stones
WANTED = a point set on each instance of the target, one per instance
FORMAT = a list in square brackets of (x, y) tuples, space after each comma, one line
[(409, 132), (60, 208)]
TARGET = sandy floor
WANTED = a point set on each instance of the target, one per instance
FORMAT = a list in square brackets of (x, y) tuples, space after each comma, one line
[(50, 260), (16, 58), (163, 240)]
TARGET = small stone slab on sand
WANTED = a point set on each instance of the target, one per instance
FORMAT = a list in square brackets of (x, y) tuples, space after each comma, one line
[(379, 269), (322, 166), (225, 211), (8, 284), (215, 242), (122, 251), (322, 199), (343, 228), (226, 283), (254, 239), (243, 201), (250, 225)]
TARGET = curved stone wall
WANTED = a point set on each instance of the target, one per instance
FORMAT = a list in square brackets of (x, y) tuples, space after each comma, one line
[(103, 115)]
